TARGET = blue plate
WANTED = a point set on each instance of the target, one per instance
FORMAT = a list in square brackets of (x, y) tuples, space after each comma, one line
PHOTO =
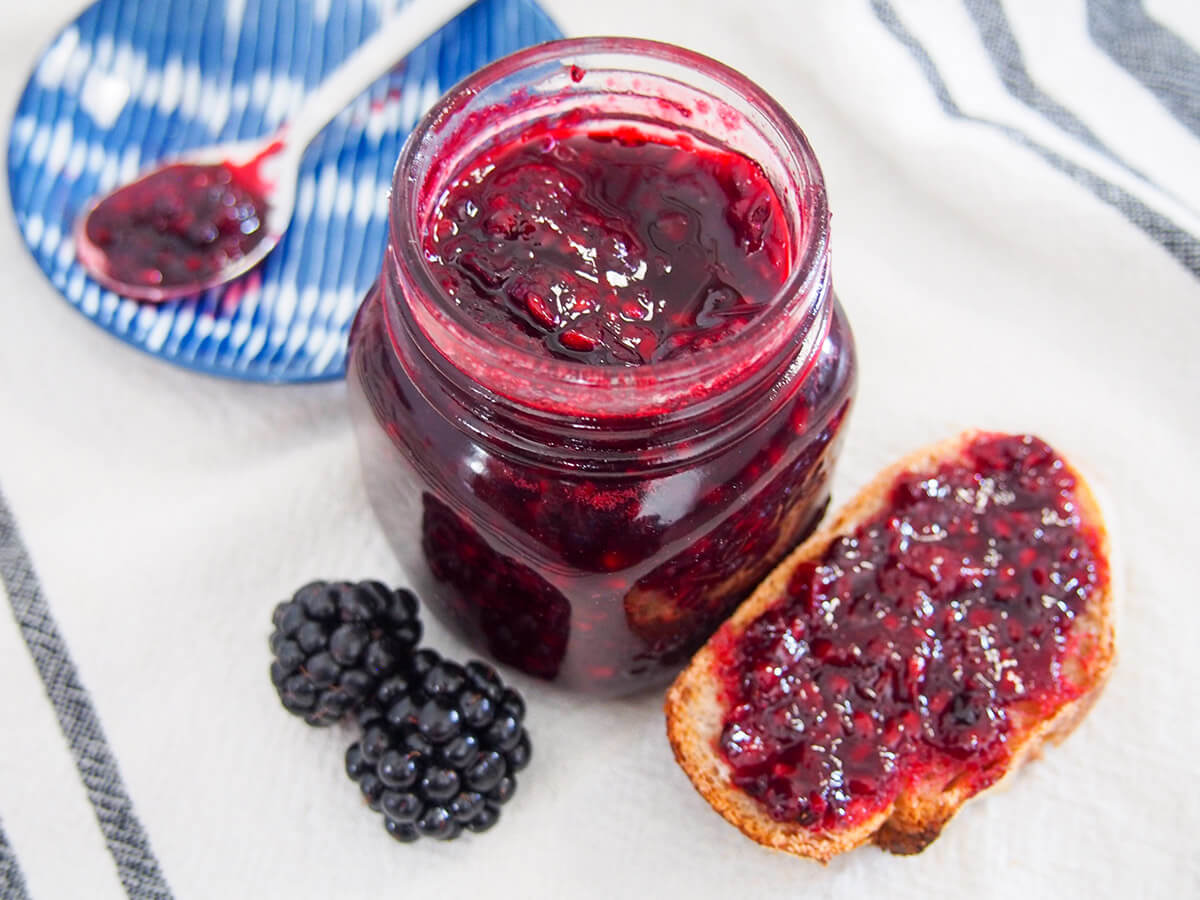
[(132, 81)]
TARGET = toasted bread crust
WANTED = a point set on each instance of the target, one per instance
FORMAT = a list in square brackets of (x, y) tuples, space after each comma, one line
[(695, 710)]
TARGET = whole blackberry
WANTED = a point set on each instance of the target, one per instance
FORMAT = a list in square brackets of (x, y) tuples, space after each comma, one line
[(334, 643), (440, 748)]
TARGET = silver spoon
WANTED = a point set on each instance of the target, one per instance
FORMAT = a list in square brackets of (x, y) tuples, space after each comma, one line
[(274, 161)]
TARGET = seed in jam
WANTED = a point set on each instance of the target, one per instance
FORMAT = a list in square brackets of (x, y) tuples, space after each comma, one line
[(908, 646), (609, 245), (180, 225)]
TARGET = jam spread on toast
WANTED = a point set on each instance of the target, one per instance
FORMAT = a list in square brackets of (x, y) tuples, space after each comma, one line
[(912, 645)]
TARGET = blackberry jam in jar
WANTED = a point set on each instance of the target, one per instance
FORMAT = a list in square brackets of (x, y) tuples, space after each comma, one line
[(601, 384)]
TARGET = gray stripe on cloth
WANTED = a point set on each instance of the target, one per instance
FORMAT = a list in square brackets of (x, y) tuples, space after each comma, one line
[(127, 842), (12, 882), (1005, 52), (1165, 64), (1180, 243)]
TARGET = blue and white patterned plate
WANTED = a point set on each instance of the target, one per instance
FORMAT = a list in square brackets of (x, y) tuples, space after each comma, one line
[(132, 81)]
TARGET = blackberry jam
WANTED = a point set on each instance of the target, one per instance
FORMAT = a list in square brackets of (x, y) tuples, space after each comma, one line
[(600, 386), (913, 644), (180, 225), (609, 245)]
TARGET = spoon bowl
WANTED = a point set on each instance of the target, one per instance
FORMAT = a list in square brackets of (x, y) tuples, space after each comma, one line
[(246, 189), (264, 164)]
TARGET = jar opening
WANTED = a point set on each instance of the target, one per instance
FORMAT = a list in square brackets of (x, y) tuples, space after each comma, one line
[(656, 87)]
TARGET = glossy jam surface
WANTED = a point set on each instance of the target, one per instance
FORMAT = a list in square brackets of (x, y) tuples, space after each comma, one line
[(180, 225), (608, 245), (915, 641)]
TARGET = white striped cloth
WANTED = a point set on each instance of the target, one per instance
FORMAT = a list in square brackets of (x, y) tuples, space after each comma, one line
[(1017, 242)]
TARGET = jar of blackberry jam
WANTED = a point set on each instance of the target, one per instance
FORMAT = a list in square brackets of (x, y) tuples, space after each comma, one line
[(601, 384)]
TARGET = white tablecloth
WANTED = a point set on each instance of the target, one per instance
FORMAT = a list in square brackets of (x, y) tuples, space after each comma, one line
[(1003, 266)]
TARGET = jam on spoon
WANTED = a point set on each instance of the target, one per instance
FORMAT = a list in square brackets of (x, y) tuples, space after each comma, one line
[(179, 225), (203, 220)]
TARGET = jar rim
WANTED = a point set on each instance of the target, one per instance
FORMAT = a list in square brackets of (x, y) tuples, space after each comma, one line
[(611, 389)]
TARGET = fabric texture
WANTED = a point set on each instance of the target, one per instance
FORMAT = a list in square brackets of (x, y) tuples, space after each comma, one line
[(1016, 234), (12, 882), (77, 718)]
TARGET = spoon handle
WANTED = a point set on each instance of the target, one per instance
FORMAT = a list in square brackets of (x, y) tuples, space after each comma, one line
[(395, 38)]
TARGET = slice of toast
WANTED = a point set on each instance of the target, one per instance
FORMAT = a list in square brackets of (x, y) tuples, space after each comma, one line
[(695, 707)]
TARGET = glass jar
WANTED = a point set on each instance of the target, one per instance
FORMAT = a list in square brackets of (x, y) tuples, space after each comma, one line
[(592, 525)]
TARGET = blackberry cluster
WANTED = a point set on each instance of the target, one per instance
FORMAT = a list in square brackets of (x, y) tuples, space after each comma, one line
[(334, 643), (440, 748), (441, 743)]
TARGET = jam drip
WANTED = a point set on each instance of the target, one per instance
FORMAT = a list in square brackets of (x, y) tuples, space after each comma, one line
[(180, 225), (912, 643), (609, 246)]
